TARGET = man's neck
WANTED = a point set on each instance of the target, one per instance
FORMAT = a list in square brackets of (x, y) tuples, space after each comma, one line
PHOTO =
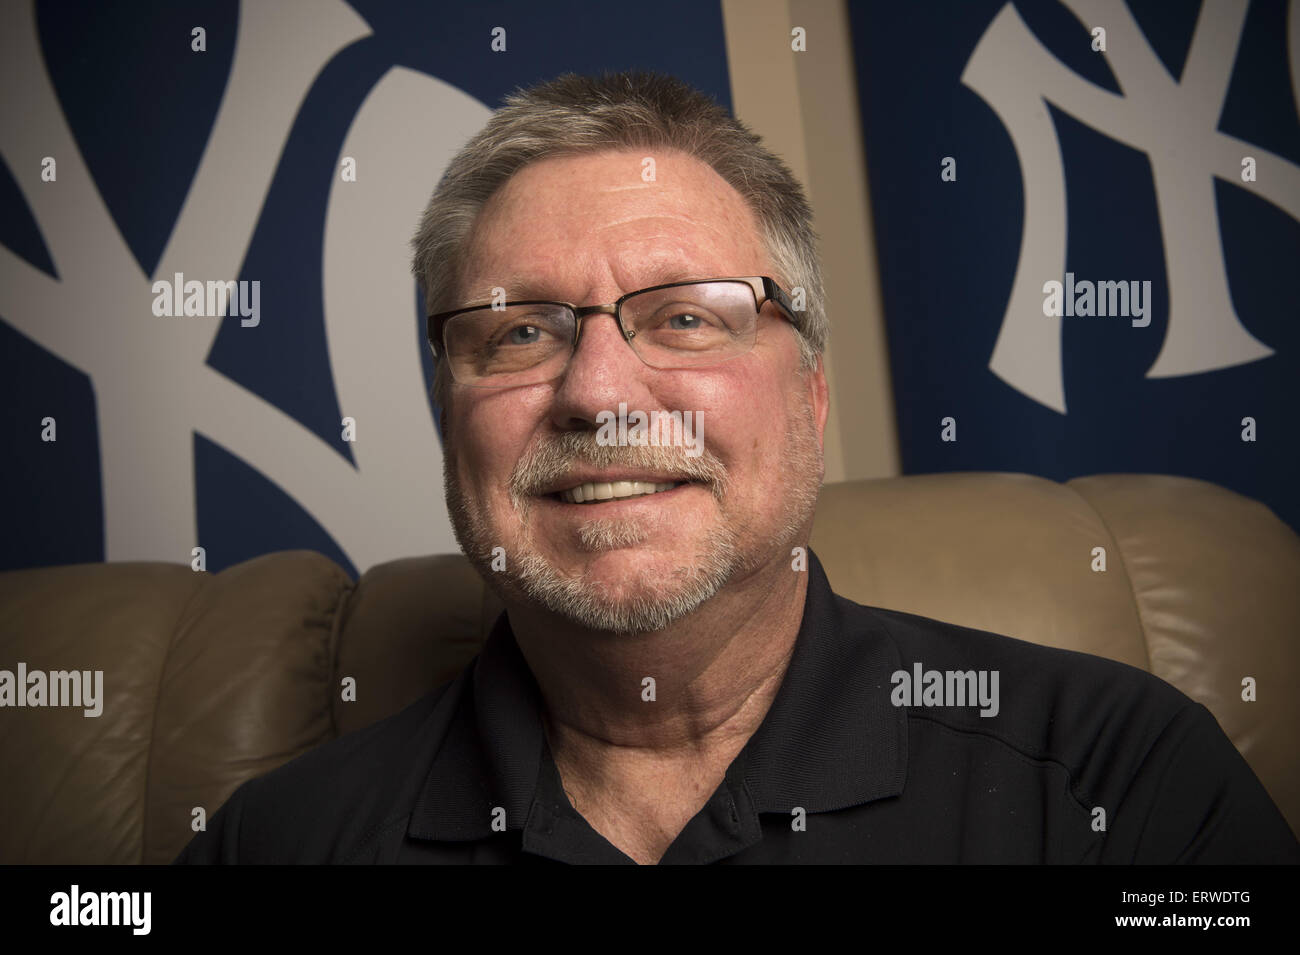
[(715, 674)]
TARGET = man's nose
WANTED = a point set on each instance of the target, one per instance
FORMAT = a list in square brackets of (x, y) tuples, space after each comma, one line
[(602, 371)]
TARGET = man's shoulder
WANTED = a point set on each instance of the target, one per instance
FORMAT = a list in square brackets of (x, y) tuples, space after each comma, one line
[(1044, 669), (1051, 704), (329, 803), (371, 760), (1130, 755)]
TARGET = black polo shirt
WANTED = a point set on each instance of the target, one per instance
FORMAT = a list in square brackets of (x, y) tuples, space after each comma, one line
[(1086, 760)]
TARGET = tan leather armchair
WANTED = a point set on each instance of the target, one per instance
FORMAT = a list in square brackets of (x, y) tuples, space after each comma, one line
[(212, 679)]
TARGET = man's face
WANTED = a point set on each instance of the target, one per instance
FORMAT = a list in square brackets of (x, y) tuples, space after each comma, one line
[(587, 229)]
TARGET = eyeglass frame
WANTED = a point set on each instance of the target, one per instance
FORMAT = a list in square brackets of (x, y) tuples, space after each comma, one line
[(436, 323)]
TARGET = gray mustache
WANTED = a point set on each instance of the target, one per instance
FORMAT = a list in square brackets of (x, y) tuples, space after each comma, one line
[(557, 456)]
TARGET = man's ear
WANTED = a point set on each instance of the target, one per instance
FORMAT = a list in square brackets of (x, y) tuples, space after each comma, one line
[(819, 398)]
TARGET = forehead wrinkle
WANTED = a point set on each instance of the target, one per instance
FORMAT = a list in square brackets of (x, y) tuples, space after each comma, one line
[(623, 263), (666, 270), (687, 228)]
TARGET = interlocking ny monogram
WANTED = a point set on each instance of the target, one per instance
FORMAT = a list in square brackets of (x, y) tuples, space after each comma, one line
[(153, 389), (1173, 122)]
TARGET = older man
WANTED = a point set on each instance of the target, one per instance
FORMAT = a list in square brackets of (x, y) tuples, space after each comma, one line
[(616, 269)]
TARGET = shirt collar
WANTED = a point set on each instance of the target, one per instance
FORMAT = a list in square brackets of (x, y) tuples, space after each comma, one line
[(831, 738), (826, 743)]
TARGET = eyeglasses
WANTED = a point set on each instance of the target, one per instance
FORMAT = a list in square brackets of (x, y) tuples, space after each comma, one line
[(680, 325)]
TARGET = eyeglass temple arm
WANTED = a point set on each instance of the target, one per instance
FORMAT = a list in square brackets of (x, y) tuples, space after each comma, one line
[(774, 293)]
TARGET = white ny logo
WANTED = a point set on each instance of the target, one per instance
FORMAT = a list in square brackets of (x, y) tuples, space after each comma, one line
[(1173, 122), (153, 390)]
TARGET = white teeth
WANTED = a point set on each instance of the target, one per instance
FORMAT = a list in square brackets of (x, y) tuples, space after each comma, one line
[(610, 490)]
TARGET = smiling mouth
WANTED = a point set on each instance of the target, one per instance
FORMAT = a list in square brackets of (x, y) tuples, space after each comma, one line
[(597, 491)]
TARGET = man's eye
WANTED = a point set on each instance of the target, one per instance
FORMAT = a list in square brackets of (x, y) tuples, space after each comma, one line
[(685, 321), (523, 335), (684, 326), (690, 320)]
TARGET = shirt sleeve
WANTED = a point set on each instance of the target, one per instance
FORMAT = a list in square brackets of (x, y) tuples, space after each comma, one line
[(1196, 800)]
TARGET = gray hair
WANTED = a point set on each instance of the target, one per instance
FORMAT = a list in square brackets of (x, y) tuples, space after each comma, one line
[(579, 114)]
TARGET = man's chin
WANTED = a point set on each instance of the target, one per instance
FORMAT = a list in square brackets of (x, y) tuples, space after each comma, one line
[(624, 589)]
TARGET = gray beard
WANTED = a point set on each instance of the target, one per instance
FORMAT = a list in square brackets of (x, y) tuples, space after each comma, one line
[(585, 603), (531, 577)]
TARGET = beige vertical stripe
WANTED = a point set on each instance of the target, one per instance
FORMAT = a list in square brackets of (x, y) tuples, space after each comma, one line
[(805, 106)]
